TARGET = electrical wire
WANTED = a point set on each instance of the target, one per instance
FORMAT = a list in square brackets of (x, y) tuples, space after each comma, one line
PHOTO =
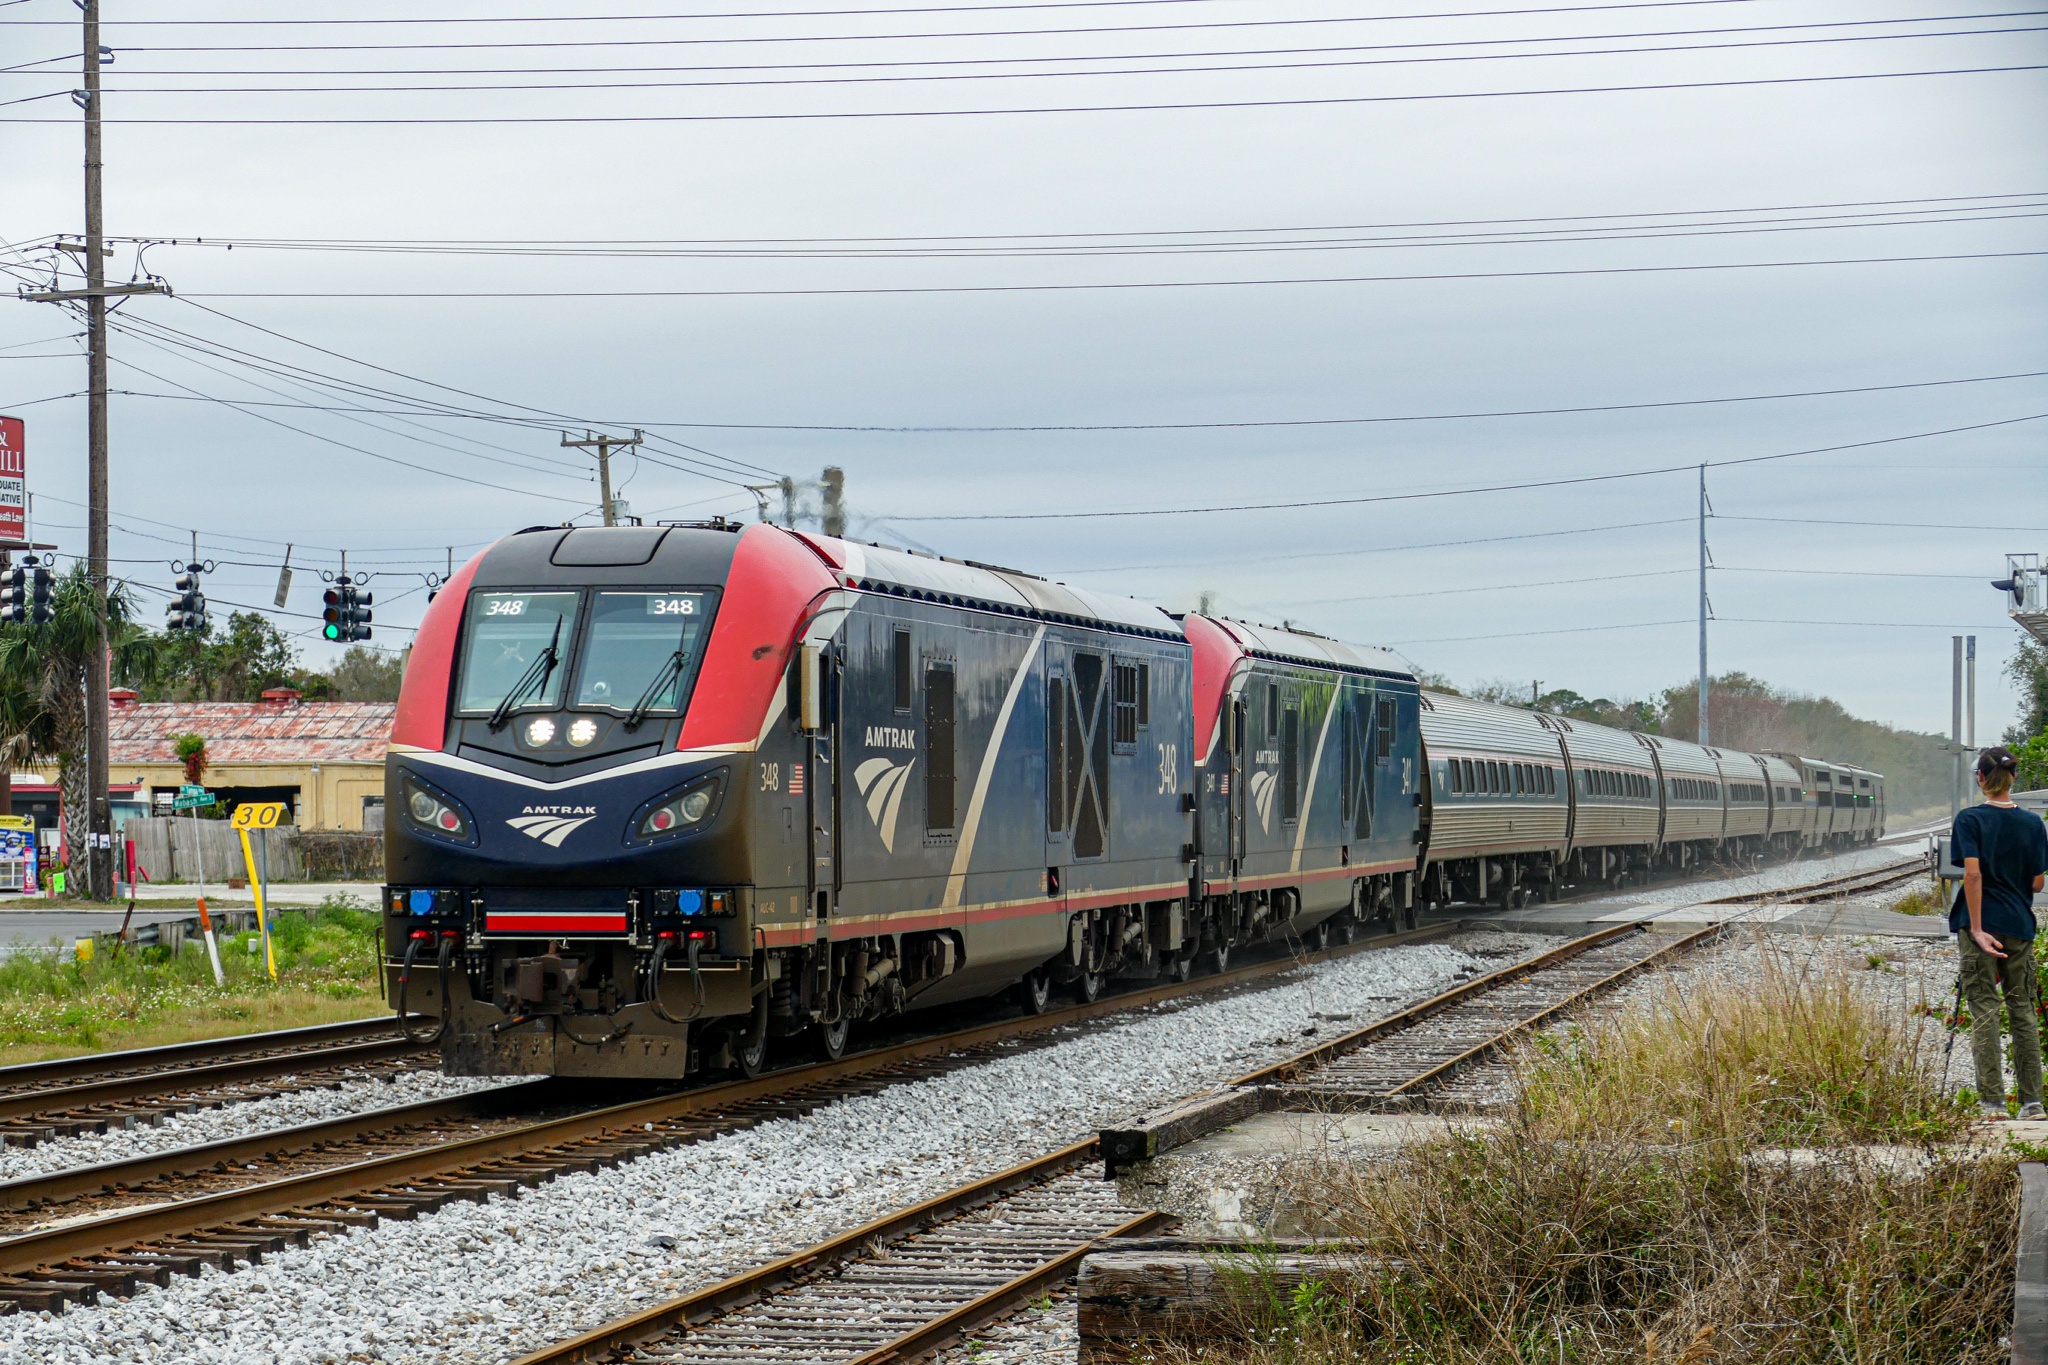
[(1326, 63), (524, 465), (729, 40), (936, 62), (1893, 525), (2002, 213), (1112, 286), (823, 13), (1377, 549), (1942, 202), (744, 470), (1300, 503), (1166, 107), (1687, 621)]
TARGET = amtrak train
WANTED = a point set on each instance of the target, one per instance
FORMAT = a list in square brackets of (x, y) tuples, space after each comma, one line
[(664, 794)]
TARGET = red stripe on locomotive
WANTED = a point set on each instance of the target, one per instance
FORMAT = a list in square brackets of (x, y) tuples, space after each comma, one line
[(422, 717)]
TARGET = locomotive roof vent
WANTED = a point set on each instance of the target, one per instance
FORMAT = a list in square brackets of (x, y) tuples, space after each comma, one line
[(607, 547)]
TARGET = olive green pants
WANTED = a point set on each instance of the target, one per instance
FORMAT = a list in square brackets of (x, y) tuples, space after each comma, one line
[(1984, 977)]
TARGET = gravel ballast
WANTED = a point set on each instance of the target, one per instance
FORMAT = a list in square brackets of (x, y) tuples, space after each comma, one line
[(486, 1282), (236, 1120)]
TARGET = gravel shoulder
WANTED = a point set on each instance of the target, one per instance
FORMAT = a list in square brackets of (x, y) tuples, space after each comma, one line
[(484, 1282), (239, 1119)]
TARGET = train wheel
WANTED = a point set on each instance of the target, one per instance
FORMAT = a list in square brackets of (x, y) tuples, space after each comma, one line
[(1181, 966), (748, 1061), (1219, 957), (1346, 929), (1319, 937), (1088, 987), (1034, 992), (828, 1041)]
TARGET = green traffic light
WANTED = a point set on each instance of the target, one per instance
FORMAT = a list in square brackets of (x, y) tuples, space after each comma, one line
[(331, 631)]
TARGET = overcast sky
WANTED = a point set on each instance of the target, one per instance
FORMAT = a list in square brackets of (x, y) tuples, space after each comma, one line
[(1841, 572)]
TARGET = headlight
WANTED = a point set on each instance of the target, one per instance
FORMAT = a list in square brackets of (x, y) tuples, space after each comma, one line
[(684, 810), (432, 813), (582, 731), (540, 731)]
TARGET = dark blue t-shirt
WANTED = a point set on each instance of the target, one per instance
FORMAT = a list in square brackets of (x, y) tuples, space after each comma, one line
[(2011, 848)]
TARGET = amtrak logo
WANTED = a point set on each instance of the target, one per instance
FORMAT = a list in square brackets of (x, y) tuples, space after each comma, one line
[(552, 824), (881, 785), (1263, 784)]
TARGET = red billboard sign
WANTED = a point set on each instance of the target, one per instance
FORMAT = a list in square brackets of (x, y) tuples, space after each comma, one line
[(13, 480)]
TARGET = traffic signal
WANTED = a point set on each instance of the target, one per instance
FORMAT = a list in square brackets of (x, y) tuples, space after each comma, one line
[(43, 596), (346, 613), (187, 610), (14, 597)]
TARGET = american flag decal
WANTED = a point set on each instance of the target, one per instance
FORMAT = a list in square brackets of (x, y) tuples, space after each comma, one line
[(796, 779), (1226, 784)]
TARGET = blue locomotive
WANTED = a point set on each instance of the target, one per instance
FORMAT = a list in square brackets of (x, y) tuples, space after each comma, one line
[(664, 794)]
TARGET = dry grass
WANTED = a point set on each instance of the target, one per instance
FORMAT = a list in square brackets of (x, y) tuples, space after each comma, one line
[(1634, 1207), (1799, 1054)]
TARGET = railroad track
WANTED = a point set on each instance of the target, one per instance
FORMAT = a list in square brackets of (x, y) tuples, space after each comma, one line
[(1833, 888), (41, 1101), (400, 1164), (906, 1285)]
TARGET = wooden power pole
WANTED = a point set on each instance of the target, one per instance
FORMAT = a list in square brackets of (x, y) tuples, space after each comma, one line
[(99, 850)]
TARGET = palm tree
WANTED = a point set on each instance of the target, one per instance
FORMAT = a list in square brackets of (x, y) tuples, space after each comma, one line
[(45, 668)]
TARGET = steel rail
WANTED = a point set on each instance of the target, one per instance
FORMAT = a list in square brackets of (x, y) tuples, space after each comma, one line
[(184, 1054), (186, 1080), (35, 1191), (1848, 883), (1288, 1068), (751, 1286), (1423, 1080), (126, 1229)]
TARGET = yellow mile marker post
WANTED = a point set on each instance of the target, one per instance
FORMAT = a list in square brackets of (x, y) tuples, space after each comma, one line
[(259, 815)]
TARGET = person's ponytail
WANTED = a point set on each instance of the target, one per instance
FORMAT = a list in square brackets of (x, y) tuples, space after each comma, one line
[(1997, 769)]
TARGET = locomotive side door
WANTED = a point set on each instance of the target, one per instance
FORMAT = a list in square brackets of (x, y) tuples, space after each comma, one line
[(819, 775), (1237, 778)]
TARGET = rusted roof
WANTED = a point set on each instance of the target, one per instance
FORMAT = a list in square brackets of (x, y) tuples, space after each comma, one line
[(254, 732)]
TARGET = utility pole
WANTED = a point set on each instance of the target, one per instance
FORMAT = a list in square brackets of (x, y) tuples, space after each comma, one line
[(833, 516), (1535, 693), (99, 850), (1703, 604), (788, 487), (1955, 723), (604, 446)]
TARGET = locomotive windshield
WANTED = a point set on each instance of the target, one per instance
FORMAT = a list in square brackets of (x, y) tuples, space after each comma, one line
[(641, 651), (516, 643)]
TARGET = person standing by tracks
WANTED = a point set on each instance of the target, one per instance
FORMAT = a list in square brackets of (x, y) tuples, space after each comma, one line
[(2004, 853)]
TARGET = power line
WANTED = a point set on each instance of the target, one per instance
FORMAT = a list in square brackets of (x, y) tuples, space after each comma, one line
[(1988, 213), (1440, 277), (1895, 525), (1300, 503), (1687, 621), (1377, 549), (838, 13), (1364, 421), (1177, 106), (554, 471), (1898, 205), (903, 37), (1329, 61), (745, 471)]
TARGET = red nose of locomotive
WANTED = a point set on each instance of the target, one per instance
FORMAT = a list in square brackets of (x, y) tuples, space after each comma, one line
[(565, 832)]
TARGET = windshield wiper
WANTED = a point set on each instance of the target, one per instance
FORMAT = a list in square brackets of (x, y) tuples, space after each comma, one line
[(536, 675), (670, 671)]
